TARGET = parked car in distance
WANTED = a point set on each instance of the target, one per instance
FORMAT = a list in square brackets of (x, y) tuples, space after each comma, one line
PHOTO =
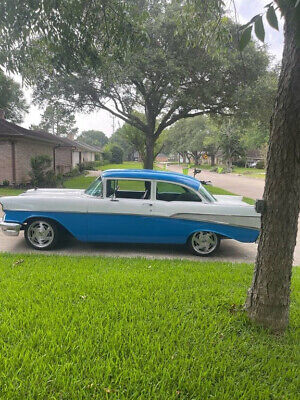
[(132, 206), (252, 164)]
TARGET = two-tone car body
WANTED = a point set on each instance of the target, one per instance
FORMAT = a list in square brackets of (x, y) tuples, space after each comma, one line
[(133, 206)]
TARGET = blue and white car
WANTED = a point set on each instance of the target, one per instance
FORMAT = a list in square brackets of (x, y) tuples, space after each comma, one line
[(132, 206)]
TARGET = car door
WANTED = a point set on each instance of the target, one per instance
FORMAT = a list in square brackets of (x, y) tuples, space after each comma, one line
[(122, 214), (171, 201)]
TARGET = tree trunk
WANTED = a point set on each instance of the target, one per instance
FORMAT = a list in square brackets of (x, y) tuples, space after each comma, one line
[(149, 157), (268, 298), (212, 160)]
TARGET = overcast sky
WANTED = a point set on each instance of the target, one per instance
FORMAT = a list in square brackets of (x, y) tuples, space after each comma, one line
[(102, 120)]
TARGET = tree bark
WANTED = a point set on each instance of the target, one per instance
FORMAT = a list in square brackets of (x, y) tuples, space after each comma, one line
[(212, 160), (149, 157), (268, 298)]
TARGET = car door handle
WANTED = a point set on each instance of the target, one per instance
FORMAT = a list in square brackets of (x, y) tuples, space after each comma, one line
[(148, 204)]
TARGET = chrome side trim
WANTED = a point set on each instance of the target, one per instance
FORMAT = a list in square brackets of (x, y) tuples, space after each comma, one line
[(240, 221), (10, 228)]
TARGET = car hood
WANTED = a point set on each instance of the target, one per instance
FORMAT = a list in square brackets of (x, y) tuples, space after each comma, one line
[(53, 192)]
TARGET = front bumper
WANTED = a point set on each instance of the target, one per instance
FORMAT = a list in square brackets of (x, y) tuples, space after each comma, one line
[(10, 228)]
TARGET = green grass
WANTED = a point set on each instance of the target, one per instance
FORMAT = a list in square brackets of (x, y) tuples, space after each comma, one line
[(112, 328), (10, 191), (79, 182), (126, 165), (216, 190)]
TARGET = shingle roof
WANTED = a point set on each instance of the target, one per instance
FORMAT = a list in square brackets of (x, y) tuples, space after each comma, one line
[(13, 130)]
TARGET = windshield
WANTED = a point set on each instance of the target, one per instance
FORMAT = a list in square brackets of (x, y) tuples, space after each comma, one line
[(95, 189), (206, 195)]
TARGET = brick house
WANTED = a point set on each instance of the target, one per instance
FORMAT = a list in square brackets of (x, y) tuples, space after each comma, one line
[(18, 145)]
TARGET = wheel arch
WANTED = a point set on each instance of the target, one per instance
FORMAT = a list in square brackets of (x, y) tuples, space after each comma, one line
[(50, 219)]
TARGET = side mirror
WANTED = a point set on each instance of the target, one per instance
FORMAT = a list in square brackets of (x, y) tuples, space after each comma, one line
[(260, 206)]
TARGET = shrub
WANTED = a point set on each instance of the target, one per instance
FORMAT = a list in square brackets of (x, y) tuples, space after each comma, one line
[(240, 162), (41, 174), (260, 164), (113, 154), (107, 156), (72, 173), (5, 183)]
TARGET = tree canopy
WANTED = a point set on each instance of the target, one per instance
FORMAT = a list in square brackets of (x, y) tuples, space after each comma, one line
[(188, 63), (94, 138), (11, 99), (58, 120)]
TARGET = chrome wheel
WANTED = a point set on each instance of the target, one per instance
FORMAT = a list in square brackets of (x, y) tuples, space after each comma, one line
[(204, 243), (40, 234)]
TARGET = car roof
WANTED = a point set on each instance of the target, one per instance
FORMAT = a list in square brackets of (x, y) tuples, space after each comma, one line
[(173, 177)]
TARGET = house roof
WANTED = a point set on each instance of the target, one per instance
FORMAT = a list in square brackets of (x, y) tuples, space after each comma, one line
[(150, 174), (15, 131), (88, 147)]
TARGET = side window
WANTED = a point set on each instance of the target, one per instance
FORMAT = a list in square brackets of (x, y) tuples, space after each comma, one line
[(171, 192), (128, 189)]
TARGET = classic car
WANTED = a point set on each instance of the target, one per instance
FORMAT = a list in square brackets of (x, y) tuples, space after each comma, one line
[(133, 206)]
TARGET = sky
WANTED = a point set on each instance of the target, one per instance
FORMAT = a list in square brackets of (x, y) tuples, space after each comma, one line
[(103, 121)]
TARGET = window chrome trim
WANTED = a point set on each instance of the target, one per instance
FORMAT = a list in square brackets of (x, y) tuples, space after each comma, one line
[(198, 194)]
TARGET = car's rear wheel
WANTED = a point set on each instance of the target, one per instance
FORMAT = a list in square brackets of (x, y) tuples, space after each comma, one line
[(203, 243), (41, 234)]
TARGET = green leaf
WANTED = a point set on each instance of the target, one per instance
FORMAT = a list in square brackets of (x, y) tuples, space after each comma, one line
[(245, 38), (272, 17), (249, 22), (259, 29)]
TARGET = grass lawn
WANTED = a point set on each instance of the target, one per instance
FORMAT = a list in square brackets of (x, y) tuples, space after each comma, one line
[(79, 182), (126, 165), (10, 192), (112, 328), (216, 190)]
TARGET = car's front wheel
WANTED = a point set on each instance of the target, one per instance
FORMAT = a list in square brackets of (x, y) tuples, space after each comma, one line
[(41, 234), (203, 243)]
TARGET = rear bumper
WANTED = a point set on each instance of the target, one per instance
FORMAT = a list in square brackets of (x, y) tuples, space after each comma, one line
[(10, 228)]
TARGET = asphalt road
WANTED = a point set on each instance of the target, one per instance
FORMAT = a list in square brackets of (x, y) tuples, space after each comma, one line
[(230, 250)]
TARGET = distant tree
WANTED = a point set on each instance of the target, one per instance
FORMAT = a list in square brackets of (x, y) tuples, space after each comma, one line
[(58, 120), (93, 138), (114, 153), (192, 138), (137, 140), (120, 139), (12, 100), (229, 141)]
